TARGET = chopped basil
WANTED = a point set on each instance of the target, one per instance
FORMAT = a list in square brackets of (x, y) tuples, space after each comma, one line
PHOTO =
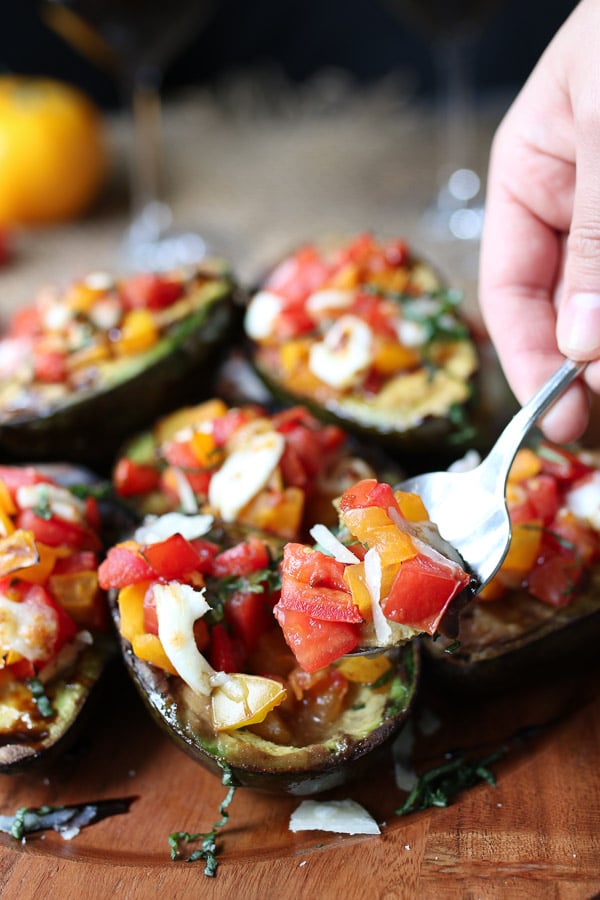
[(439, 785), (101, 491), (66, 820), (267, 580), (398, 695), (43, 508), (452, 648), (383, 679), (40, 698), (208, 848)]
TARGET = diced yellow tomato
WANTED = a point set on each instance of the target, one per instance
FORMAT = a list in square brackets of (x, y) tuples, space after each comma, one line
[(79, 595), (354, 576), (205, 450), (372, 526), (390, 357), (6, 501), (167, 427), (138, 332), (292, 354), (411, 506), (149, 648), (364, 669), (524, 547), (526, 464), (131, 609), (6, 524)]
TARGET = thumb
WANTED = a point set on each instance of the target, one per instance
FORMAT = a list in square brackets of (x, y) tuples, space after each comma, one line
[(578, 321)]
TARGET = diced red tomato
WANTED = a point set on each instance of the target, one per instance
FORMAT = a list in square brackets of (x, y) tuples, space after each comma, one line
[(421, 592), (149, 291), (180, 454), (225, 654), (294, 321), (543, 496), (173, 558), (92, 513), (58, 532), (224, 426), (376, 314), (575, 535), (124, 565), (369, 492), (396, 253), (15, 477), (206, 552), (50, 367), (299, 275), (554, 577), (561, 463), (312, 567), (243, 559), (80, 561), (316, 643), (150, 616), (249, 617), (25, 322), (131, 478), (323, 603), (66, 627)]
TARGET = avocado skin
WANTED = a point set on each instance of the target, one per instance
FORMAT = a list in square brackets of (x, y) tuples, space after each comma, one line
[(322, 767), (74, 695), (91, 429), (436, 441), (533, 643)]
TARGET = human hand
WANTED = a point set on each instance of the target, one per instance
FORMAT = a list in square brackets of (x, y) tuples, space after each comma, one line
[(540, 257)]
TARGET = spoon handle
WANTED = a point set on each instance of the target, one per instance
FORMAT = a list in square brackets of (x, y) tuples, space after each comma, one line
[(503, 452)]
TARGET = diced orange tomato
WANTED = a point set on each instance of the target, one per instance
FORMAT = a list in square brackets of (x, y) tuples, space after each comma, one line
[(187, 417), (372, 526), (79, 595), (149, 648), (411, 506), (205, 449), (7, 504), (390, 357), (526, 464)]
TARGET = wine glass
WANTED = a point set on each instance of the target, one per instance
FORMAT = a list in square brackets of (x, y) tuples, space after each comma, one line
[(135, 40), (452, 29)]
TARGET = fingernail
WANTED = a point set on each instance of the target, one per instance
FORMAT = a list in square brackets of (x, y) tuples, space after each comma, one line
[(579, 324)]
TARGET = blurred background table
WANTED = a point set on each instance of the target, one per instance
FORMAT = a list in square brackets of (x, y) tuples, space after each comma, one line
[(266, 166)]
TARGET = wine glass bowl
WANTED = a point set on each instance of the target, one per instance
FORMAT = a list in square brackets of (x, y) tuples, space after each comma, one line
[(136, 40)]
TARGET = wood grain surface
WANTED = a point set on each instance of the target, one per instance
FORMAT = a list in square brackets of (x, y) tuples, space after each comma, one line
[(535, 834)]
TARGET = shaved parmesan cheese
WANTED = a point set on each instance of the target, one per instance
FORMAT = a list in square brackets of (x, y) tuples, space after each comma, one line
[(383, 631), (244, 700), (321, 301), (159, 528), (244, 473), (341, 816), (584, 500), (178, 606), (346, 351), (187, 497), (62, 502), (29, 628), (261, 315), (328, 541)]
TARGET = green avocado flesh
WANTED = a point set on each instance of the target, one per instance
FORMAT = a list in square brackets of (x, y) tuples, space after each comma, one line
[(345, 752), (503, 640), (90, 425), (26, 737), (446, 416)]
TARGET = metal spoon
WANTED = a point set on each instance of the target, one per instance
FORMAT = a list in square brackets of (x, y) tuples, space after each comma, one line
[(469, 508)]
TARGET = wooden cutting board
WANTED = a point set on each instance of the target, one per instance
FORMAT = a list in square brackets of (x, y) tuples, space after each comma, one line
[(536, 834)]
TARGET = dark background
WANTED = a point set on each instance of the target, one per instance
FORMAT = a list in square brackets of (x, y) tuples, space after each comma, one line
[(298, 38)]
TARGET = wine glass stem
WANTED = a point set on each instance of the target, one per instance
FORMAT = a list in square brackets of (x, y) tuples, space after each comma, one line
[(455, 91), (146, 157)]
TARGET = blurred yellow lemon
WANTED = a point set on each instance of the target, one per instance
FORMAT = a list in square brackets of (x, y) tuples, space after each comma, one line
[(52, 155)]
